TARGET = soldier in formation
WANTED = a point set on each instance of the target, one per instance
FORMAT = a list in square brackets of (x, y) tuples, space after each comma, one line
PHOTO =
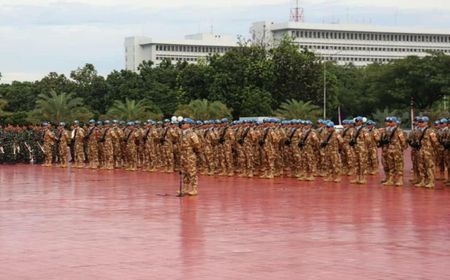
[(267, 150)]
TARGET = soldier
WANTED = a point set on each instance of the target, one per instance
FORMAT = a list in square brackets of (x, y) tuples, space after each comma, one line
[(320, 153), (268, 144), (188, 146), (63, 139), (150, 139), (347, 152), (441, 131), (91, 138), (372, 148), (425, 145), (131, 140), (394, 141), (226, 142), (332, 160), (101, 154), (106, 141), (359, 143), (308, 143), (412, 139), (78, 135), (118, 143), (294, 136), (49, 142)]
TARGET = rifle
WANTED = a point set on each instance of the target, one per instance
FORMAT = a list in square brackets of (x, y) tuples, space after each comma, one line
[(326, 142)]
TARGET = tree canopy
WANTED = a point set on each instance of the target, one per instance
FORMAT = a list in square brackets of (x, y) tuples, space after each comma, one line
[(248, 80)]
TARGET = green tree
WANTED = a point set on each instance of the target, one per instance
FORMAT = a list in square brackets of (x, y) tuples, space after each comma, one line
[(134, 110), (294, 109), (59, 107), (91, 87), (297, 74), (202, 109), (256, 103)]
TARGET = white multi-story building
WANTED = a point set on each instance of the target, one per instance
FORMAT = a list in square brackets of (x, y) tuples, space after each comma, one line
[(358, 44), (191, 49)]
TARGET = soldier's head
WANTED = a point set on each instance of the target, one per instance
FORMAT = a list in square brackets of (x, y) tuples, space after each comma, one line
[(308, 124), (359, 121), (115, 123), (423, 121), (61, 125), (443, 122), (187, 123), (75, 123), (106, 123), (330, 126), (91, 123), (371, 124), (99, 123), (137, 123), (149, 123)]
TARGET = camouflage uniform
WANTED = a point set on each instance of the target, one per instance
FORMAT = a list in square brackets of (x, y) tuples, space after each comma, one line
[(308, 144), (189, 143), (372, 149), (92, 141), (332, 159), (63, 143), (49, 142), (78, 135), (394, 155), (426, 164), (360, 140), (347, 152)]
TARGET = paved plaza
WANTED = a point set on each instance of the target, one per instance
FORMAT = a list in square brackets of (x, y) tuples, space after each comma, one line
[(94, 224)]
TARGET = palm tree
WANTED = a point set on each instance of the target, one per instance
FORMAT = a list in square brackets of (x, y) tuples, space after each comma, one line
[(59, 107), (202, 109), (297, 109), (132, 110), (3, 104)]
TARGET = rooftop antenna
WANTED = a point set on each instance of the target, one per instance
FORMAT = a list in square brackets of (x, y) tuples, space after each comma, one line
[(297, 13)]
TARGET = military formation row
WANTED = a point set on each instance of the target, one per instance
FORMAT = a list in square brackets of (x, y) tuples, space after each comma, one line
[(267, 150)]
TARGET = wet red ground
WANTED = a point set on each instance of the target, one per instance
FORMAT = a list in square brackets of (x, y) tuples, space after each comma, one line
[(84, 224)]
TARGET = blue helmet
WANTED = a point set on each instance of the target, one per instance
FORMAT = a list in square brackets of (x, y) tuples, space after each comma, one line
[(107, 122), (62, 124), (443, 120), (76, 122), (330, 124), (188, 120), (91, 121)]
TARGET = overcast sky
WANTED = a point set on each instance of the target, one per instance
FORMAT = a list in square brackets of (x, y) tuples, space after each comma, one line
[(41, 36)]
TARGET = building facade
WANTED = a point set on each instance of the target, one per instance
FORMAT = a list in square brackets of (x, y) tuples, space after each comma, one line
[(192, 49), (357, 44)]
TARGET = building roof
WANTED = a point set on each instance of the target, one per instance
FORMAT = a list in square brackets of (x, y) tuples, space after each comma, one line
[(189, 42), (357, 28)]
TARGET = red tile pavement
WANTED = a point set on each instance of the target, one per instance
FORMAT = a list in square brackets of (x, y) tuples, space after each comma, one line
[(91, 224)]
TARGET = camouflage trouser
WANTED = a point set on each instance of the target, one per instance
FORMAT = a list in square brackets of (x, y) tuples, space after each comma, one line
[(297, 161), (440, 159), (426, 166), (93, 155), (348, 160), (189, 171), (209, 159), (248, 162), (108, 154), (268, 161), (332, 162), (309, 159), (63, 155), (79, 154), (168, 157), (360, 160), (394, 162), (48, 152), (131, 156), (373, 162)]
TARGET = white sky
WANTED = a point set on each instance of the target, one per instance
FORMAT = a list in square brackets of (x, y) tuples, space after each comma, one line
[(40, 36)]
